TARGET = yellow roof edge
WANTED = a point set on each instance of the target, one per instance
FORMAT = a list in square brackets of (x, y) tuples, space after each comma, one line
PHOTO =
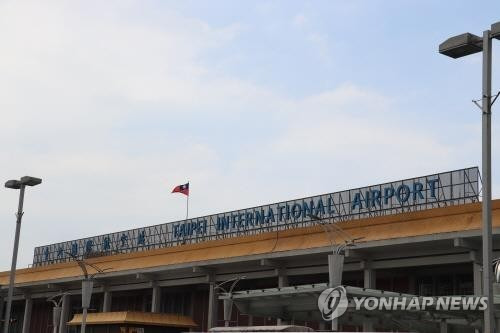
[(450, 210), (134, 318)]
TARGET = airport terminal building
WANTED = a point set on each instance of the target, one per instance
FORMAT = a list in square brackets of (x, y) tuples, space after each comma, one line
[(419, 236)]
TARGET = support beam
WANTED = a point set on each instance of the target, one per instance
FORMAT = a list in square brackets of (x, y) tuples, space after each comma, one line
[(212, 302), (156, 299), (423, 261), (209, 272), (335, 270), (107, 301), (144, 303), (355, 253), (2, 306), (369, 281), (271, 263), (282, 277), (476, 256), (145, 276), (191, 307), (477, 275), (465, 243), (282, 282), (141, 276), (66, 302), (182, 282), (28, 306), (203, 269), (443, 326)]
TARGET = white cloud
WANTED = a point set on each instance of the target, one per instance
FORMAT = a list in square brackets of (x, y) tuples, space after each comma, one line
[(113, 110)]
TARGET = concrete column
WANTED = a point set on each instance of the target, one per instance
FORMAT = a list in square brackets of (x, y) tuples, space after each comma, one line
[(369, 278), (156, 299), (212, 302), (66, 302), (335, 270), (191, 308), (477, 278), (282, 278), (282, 282), (28, 306), (443, 327), (250, 320), (107, 301), (144, 305), (2, 305)]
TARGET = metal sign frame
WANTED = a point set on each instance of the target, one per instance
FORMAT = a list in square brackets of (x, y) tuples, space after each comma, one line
[(408, 195)]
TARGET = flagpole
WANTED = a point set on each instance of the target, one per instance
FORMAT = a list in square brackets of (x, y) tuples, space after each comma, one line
[(187, 203)]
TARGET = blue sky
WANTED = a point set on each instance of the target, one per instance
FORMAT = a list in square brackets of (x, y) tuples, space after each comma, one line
[(114, 103)]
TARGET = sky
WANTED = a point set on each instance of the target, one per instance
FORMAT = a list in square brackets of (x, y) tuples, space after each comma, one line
[(113, 103)]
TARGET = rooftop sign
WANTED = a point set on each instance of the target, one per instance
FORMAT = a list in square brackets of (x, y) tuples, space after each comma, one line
[(438, 190)]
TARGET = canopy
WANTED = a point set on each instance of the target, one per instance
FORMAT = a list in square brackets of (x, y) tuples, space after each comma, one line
[(136, 318)]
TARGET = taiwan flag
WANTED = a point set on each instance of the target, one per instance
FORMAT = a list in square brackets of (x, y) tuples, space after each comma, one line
[(184, 189)]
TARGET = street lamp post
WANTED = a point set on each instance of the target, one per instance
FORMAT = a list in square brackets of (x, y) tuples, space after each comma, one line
[(56, 311), (228, 302), (17, 185), (87, 287), (457, 47), (336, 258)]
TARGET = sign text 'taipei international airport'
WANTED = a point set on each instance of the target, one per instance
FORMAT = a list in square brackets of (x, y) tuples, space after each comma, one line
[(431, 191)]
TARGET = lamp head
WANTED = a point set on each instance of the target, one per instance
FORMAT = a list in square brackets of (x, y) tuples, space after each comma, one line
[(13, 184), (30, 181), (461, 45), (495, 30)]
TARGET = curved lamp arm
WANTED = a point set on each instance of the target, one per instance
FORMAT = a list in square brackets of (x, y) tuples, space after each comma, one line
[(235, 281)]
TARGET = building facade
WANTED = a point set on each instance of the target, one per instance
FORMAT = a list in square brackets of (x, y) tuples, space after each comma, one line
[(429, 252)]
